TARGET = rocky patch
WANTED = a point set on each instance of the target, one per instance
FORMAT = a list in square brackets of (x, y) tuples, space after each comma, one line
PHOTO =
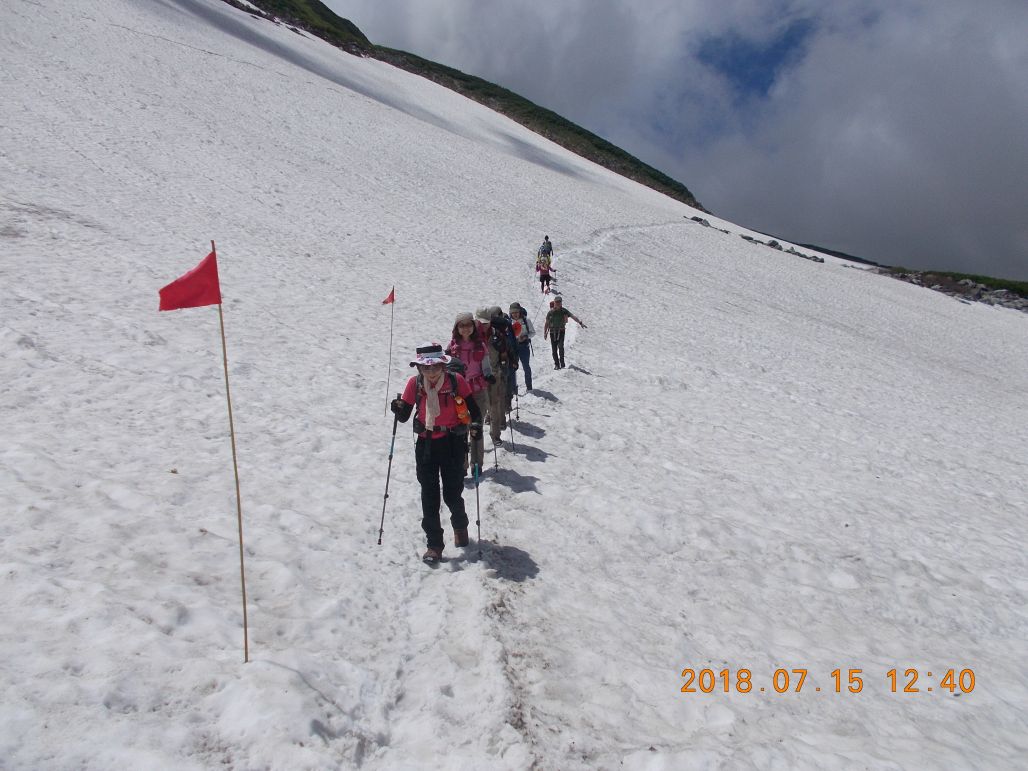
[(965, 289)]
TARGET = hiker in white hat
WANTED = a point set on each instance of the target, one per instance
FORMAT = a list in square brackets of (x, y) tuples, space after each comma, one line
[(445, 415)]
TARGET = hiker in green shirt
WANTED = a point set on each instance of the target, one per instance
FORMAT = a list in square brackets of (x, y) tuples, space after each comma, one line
[(556, 321)]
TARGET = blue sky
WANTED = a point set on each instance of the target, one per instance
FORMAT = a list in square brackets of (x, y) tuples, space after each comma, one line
[(752, 66), (889, 129)]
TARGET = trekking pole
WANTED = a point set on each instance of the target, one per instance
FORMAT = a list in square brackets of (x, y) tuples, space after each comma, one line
[(517, 406), (389, 470), (496, 459), (478, 511), (510, 425)]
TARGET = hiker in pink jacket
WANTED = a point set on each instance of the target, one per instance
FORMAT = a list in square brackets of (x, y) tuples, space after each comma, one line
[(468, 346), (444, 420)]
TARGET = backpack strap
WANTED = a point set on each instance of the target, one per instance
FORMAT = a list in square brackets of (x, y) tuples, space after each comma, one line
[(420, 392)]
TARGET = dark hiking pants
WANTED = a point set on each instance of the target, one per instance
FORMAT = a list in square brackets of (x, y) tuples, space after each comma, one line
[(443, 459), (557, 346), (524, 356)]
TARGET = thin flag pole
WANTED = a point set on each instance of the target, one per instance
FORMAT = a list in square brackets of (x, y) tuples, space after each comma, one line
[(389, 372), (235, 468), (389, 470)]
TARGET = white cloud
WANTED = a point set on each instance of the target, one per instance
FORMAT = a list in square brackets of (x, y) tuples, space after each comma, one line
[(898, 134)]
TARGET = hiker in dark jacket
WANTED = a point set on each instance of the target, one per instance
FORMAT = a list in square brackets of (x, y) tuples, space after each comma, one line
[(523, 333), (546, 248), (501, 358)]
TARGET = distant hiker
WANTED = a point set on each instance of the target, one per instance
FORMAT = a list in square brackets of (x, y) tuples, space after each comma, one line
[(544, 267), (556, 321), (546, 248), (468, 346), (499, 362), (445, 415), (523, 333)]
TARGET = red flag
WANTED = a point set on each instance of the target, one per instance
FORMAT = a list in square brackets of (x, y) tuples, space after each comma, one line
[(198, 287), (391, 298)]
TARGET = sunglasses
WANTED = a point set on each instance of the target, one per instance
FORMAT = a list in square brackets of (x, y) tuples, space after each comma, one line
[(466, 325)]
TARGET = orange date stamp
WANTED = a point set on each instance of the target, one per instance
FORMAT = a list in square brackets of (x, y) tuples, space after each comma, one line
[(910, 680)]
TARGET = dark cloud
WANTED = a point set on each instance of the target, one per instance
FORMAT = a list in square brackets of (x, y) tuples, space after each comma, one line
[(892, 129)]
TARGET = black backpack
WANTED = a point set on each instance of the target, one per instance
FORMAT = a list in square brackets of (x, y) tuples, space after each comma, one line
[(498, 339), (502, 338)]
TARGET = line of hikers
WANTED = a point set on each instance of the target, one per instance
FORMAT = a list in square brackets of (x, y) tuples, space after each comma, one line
[(544, 265), (458, 388)]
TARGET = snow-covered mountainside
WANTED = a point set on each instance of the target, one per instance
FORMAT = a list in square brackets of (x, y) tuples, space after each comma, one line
[(752, 462)]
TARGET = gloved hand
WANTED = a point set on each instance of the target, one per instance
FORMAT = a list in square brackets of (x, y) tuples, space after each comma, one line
[(401, 409), (475, 431), (490, 379)]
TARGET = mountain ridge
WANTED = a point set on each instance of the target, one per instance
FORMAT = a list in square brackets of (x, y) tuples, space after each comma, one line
[(317, 19), (314, 17)]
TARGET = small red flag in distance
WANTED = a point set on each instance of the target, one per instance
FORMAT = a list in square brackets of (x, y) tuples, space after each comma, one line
[(391, 298), (198, 287)]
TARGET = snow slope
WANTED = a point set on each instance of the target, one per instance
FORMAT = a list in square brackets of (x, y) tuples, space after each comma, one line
[(752, 461)]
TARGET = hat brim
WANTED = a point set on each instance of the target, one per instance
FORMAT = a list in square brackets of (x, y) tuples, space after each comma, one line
[(428, 361)]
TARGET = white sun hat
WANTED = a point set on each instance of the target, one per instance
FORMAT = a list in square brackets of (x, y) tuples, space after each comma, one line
[(430, 353)]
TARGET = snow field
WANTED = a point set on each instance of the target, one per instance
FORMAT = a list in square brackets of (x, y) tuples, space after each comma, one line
[(751, 461)]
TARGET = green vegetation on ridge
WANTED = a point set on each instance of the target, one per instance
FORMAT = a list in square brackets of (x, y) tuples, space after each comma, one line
[(935, 276), (314, 17), (544, 122)]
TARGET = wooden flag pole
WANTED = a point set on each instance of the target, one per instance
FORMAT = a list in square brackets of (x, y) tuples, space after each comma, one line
[(235, 468)]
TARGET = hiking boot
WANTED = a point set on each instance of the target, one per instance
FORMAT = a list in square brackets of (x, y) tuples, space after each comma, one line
[(460, 536), (433, 555)]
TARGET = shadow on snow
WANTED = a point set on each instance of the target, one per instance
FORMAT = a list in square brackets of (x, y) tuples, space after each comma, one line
[(517, 482), (509, 562), (529, 430), (530, 453), (545, 395)]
